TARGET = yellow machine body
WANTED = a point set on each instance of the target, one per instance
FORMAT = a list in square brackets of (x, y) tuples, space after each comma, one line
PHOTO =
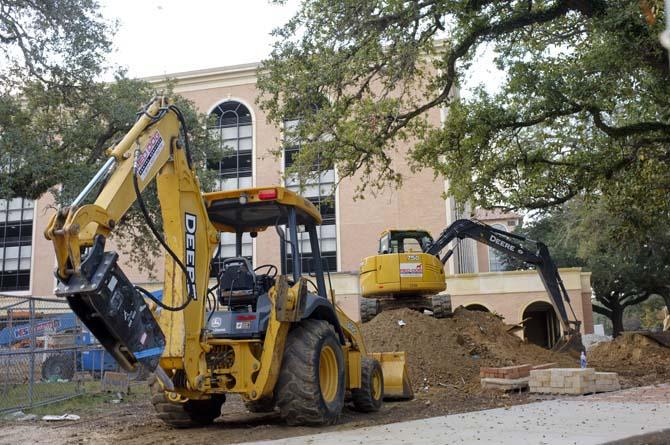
[(197, 365), (401, 268)]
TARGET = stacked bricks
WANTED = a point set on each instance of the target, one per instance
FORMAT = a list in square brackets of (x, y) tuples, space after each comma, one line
[(563, 381), (506, 379), (508, 372), (607, 381)]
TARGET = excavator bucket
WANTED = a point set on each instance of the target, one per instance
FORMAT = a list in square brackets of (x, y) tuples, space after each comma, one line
[(570, 343), (397, 384)]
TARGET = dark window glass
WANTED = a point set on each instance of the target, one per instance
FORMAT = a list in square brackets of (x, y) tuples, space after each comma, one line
[(16, 236)]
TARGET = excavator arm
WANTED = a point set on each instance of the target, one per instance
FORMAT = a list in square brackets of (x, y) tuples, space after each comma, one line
[(507, 243), (156, 148)]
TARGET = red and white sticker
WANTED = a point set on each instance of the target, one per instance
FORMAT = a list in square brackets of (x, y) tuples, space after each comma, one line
[(148, 157), (411, 270)]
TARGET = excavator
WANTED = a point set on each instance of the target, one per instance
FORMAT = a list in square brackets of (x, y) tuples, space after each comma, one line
[(408, 271), (272, 335)]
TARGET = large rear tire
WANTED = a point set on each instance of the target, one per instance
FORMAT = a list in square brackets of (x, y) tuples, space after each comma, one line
[(369, 308), (368, 398), (184, 414), (310, 388)]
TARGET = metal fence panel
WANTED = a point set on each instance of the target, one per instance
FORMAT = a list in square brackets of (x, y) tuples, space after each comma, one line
[(46, 354)]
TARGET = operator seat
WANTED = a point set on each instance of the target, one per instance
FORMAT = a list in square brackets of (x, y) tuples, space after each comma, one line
[(237, 282)]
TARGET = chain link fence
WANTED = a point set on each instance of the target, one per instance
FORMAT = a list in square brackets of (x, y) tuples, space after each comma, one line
[(46, 355)]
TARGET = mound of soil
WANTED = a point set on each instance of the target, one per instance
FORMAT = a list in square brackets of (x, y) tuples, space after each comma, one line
[(639, 360), (449, 351)]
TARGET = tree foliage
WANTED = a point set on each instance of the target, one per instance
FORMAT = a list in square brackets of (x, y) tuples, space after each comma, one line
[(626, 268), (57, 118), (60, 43), (583, 109)]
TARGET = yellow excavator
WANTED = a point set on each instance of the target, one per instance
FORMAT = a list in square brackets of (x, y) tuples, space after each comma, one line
[(272, 335), (408, 271)]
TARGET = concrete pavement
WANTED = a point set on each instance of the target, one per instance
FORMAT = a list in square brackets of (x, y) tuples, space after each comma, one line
[(586, 420)]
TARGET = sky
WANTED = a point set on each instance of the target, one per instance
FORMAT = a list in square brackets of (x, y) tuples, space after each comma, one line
[(157, 37), (166, 36)]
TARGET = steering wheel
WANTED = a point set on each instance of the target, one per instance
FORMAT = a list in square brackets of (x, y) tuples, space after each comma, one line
[(271, 269)]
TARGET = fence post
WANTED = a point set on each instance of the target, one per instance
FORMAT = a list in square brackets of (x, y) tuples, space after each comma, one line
[(31, 378)]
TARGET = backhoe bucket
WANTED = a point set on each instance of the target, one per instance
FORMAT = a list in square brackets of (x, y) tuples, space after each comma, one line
[(397, 384), (570, 343)]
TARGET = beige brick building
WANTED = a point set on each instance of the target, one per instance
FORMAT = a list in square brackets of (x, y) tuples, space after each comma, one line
[(351, 227)]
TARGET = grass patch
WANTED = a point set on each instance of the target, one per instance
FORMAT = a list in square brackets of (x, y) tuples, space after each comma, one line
[(91, 398)]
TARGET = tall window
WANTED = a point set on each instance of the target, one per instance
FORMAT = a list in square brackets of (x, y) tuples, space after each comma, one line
[(321, 192), (232, 127), (496, 263), (16, 236)]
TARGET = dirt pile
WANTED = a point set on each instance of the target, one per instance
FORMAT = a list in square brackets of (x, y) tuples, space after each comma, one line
[(638, 359), (449, 351)]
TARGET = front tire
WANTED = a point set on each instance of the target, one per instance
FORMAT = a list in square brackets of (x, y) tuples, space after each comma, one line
[(368, 398), (187, 414), (310, 388)]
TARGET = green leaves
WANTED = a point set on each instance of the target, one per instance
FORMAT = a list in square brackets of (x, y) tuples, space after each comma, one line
[(584, 109)]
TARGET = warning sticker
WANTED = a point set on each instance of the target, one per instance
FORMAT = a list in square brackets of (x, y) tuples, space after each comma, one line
[(148, 157), (411, 270)]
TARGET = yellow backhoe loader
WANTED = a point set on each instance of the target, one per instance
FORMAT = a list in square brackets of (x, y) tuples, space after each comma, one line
[(408, 271), (274, 336)]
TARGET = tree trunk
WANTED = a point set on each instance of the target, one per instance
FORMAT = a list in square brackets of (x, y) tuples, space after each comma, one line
[(617, 321)]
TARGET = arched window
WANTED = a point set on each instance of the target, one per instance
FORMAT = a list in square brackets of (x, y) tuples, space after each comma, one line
[(232, 127), (496, 263)]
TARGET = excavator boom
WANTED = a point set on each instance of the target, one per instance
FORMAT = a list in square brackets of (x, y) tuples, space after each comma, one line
[(508, 243)]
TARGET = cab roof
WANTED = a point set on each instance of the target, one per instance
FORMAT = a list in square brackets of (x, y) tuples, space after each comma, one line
[(408, 231), (255, 209)]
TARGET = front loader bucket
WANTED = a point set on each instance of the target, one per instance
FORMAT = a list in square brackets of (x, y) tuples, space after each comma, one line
[(571, 344), (397, 384)]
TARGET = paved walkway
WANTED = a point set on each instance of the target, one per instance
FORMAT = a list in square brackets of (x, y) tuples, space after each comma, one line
[(584, 420)]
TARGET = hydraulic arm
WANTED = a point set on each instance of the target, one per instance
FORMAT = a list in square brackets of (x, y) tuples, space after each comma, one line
[(156, 148), (504, 242)]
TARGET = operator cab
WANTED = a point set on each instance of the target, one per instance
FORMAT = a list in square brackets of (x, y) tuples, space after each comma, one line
[(242, 304), (404, 241)]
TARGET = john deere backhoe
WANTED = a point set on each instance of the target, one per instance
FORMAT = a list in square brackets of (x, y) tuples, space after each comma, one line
[(408, 271), (274, 337)]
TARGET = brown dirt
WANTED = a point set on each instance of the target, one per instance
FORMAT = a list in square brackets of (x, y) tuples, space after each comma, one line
[(444, 356), (449, 351), (639, 360)]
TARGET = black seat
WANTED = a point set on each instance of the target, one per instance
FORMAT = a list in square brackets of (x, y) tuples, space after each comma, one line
[(237, 282)]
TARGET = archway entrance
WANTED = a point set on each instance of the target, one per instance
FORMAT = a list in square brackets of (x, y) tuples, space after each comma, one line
[(477, 307), (540, 324)]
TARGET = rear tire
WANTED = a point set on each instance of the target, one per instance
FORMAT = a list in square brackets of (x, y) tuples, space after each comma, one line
[(441, 306), (59, 366), (368, 398), (369, 308), (187, 414), (310, 388)]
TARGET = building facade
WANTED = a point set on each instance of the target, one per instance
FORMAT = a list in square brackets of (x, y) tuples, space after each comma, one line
[(255, 155)]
